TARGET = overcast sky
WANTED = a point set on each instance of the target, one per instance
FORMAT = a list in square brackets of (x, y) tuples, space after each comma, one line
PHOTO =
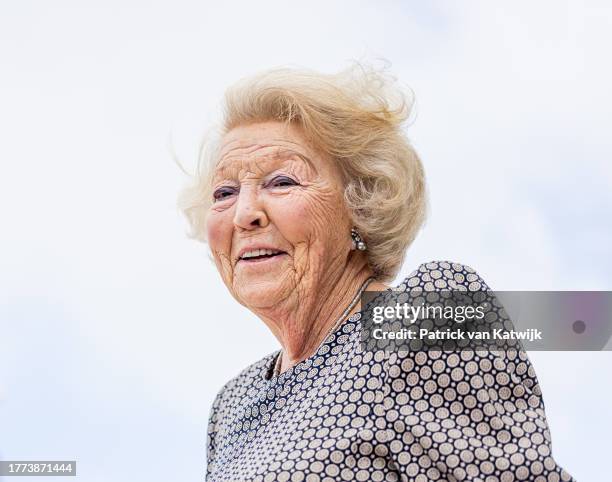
[(115, 329)]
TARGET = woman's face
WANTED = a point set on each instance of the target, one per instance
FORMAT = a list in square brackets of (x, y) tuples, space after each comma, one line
[(278, 227)]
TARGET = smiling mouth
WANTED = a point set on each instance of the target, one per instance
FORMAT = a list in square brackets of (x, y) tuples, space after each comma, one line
[(260, 255)]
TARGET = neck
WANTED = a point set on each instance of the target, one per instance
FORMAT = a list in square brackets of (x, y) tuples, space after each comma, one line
[(301, 324)]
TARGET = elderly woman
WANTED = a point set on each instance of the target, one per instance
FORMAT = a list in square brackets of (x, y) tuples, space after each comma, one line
[(312, 195)]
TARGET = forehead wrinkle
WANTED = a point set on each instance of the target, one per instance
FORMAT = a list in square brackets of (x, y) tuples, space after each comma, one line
[(235, 162), (254, 144)]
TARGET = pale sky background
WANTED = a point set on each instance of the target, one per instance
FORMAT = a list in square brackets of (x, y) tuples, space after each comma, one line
[(115, 329)]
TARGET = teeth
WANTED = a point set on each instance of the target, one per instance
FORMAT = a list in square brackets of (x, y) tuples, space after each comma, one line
[(259, 252)]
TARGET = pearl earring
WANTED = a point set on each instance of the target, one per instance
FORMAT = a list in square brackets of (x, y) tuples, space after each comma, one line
[(358, 242)]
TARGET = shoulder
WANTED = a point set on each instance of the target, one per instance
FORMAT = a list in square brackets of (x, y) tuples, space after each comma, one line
[(244, 384), (443, 275), (229, 398), (247, 378)]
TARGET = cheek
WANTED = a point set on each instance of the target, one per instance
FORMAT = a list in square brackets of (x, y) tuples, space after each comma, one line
[(310, 218), (218, 232), (293, 220)]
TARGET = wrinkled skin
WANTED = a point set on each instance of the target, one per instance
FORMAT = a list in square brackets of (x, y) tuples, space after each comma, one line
[(274, 189)]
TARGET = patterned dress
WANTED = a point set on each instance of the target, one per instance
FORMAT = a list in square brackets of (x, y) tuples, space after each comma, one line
[(349, 414)]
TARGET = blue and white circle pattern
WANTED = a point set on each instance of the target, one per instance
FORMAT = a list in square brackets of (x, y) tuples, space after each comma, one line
[(346, 414)]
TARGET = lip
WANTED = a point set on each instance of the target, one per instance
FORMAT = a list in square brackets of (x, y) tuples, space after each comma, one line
[(252, 248), (261, 261)]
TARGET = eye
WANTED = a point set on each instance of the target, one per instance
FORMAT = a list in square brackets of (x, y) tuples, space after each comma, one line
[(223, 193), (282, 181)]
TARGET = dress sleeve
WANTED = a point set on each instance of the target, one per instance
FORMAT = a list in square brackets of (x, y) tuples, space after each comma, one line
[(468, 415)]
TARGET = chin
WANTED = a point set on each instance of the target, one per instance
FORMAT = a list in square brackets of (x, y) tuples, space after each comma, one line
[(262, 293)]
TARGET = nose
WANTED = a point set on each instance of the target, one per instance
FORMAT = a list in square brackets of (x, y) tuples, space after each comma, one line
[(250, 212)]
